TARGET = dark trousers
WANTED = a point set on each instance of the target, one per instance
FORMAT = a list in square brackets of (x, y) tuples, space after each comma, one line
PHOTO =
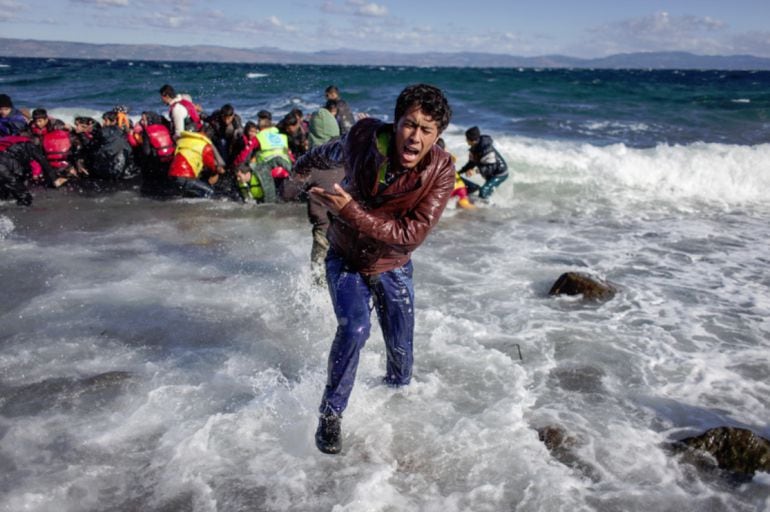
[(487, 188), (392, 295)]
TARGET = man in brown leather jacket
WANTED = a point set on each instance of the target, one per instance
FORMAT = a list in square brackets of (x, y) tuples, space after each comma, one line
[(396, 185)]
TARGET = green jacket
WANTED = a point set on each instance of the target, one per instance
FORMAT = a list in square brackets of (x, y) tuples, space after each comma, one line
[(323, 127)]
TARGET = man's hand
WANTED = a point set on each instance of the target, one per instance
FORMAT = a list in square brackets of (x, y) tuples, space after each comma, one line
[(334, 200)]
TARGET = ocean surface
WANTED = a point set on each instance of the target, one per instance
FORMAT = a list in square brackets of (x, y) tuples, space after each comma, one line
[(170, 355)]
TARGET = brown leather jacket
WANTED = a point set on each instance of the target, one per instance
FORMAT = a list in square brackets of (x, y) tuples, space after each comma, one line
[(379, 229)]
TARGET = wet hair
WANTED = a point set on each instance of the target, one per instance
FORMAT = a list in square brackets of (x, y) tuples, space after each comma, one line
[(110, 116), (39, 113), (226, 110), (167, 91), (473, 133), (85, 120), (331, 104), (289, 120), (431, 101)]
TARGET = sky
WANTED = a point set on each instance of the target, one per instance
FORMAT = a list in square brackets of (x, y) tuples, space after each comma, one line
[(588, 28)]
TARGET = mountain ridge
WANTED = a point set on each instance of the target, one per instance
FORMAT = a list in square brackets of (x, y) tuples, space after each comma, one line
[(31, 48)]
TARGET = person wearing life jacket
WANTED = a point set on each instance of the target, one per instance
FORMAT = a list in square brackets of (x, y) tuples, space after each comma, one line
[(40, 124), (273, 160), (12, 121), (112, 158), (245, 148), (484, 157), (18, 157), (184, 114), (61, 148), (196, 166), (249, 185)]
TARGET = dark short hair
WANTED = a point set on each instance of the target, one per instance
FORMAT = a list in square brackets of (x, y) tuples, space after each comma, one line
[(167, 91), (473, 133), (332, 88), (226, 110), (264, 114), (331, 104), (289, 120), (296, 112), (110, 116), (39, 113), (429, 99), (249, 125)]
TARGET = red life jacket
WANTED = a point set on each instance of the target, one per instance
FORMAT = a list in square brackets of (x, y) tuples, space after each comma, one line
[(10, 140), (160, 139), (57, 145), (192, 112)]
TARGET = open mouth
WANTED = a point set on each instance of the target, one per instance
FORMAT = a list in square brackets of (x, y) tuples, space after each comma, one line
[(410, 154)]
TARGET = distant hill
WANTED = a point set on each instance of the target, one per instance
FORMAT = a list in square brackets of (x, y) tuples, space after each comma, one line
[(207, 53)]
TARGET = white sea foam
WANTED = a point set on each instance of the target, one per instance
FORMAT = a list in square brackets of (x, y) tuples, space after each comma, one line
[(723, 173), (256, 75)]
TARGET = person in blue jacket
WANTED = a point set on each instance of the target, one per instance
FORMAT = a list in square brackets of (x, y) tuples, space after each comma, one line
[(484, 157), (12, 121)]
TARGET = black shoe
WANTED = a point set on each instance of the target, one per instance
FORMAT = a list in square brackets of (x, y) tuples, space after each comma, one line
[(328, 435)]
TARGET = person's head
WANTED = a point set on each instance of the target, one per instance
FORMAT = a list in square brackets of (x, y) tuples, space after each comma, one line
[(84, 124), (251, 129), (472, 135), (290, 123), (421, 115), (227, 113), (167, 93), (331, 106), (297, 113), (6, 105), (40, 117), (332, 93), (243, 174), (110, 118), (264, 119), (121, 109), (58, 124)]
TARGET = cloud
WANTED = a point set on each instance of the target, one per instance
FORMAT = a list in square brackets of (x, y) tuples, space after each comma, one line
[(269, 25), (103, 3), (657, 32), (9, 9), (355, 8), (754, 43)]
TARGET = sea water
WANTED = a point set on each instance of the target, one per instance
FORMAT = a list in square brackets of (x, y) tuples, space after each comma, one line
[(170, 355)]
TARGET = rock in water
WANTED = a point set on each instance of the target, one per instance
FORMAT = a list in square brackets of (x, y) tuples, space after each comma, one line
[(737, 450), (579, 283)]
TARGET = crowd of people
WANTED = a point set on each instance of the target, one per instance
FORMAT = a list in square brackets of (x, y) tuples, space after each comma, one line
[(192, 154)]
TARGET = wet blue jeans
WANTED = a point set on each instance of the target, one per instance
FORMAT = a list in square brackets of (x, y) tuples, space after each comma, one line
[(392, 295), (487, 188)]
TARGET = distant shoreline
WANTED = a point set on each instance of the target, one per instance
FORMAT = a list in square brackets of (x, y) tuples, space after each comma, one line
[(30, 48)]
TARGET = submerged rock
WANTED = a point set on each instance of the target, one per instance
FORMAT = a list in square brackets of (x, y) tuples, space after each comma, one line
[(579, 283), (562, 447), (737, 450)]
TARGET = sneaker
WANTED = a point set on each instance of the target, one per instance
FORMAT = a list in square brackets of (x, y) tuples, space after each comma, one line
[(328, 435)]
